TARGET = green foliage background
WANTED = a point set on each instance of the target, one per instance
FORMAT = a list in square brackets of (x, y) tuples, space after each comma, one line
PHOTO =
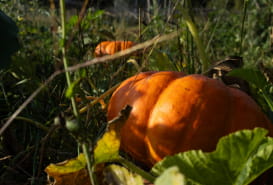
[(28, 142)]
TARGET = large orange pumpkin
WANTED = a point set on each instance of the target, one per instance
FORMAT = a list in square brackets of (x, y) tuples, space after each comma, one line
[(173, 112), (111, 47)]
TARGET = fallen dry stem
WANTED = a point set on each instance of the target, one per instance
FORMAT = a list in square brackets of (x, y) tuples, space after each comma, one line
[(126, 52), (103, 59)]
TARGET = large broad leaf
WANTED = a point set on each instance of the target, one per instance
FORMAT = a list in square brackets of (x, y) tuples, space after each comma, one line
[(238, 159), (8, 39)]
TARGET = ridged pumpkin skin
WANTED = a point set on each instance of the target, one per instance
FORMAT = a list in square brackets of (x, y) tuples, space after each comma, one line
[(111, 47), (173, 112)]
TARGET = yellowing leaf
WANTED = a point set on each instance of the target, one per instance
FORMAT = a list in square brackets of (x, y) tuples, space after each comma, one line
[(70, 172), (67, 166), (73, 171), (107, 148), (115, 174)]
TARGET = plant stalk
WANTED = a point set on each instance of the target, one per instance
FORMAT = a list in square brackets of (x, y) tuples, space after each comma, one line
[(243, 24), (268, 99), (194, 32), (34, 123), (90, 164), (67, 74)]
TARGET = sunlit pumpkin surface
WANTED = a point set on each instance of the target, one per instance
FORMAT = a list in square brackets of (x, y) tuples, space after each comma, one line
[(173, 112), (111, 47)]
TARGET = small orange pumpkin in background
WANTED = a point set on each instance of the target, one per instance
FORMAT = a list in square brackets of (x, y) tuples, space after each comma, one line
[(173, 112), (111, 47)]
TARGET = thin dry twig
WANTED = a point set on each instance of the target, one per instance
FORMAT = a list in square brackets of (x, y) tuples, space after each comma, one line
[(35, 123), (28, 100), (103, 59), (97, 99), (126, 52)]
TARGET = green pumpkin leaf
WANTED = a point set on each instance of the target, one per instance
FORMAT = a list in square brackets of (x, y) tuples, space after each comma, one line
[(8, 41), (238, 159)]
